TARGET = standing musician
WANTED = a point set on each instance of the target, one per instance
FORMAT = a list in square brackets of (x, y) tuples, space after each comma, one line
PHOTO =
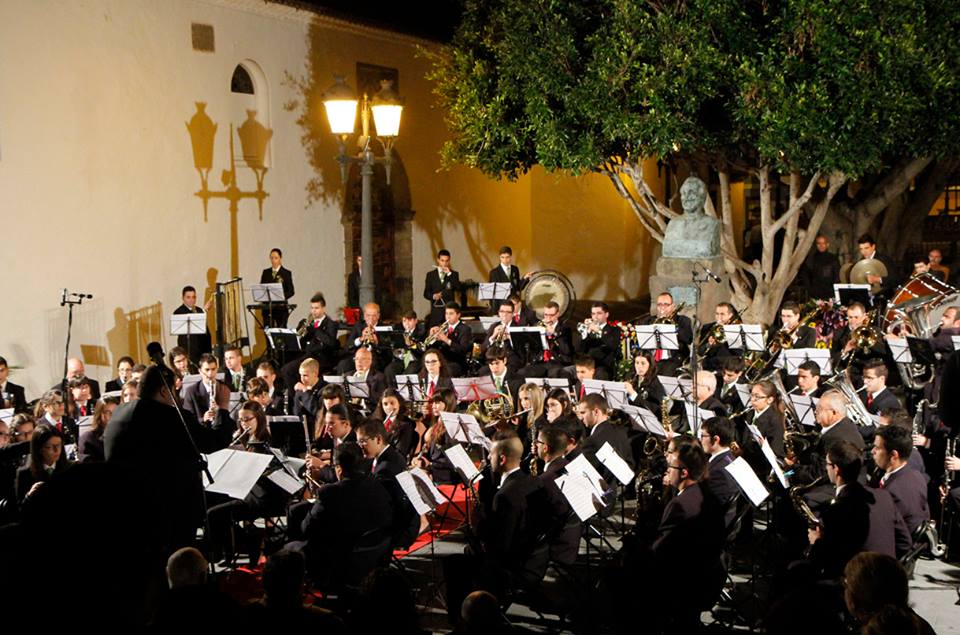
[(195, 345), (318, 337), (820, 271), (713, 345), (559, 353), (364, 335), (644, 388), (439, 287), (667, 313), (453, 339), (498, 336), (277, 315), (508, 272), (11, 395), (600, 340), (868, 251)]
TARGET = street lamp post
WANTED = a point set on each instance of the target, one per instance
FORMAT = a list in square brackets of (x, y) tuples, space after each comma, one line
[(386, 107)]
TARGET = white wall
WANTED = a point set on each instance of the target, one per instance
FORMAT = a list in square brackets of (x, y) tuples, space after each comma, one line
[(97, 176)]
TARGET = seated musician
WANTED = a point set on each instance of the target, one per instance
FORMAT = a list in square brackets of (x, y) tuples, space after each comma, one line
[(556, 407), (406, 360), (276, 315), (860, 519), (90, 444), (81, 403), (559, 354), (177, 360), (497, 336), (131, 391), (363, 335), (401, 431), (353, 510), (432, 457), (900, 418), (11, 394), (337, 430), (564, 533), (52, 410), (385, 463), (670, 362), (892, 447), (586, 369), (768, 419), (264, 499), (799, 335), (235, 374), (258, 391), (845, 349), (306, 400), (319, 342), (194, 345), (942, 339), (644, 388), (731, 374), (876, 396), (600, 340), (506, 381), (376, 382), (522, 314), (268, 373), (706, 389), (808, 379), (124, 373), (453, 339), (46, 459), (435, 374), (601, 430), (713, 345), (716, 435)]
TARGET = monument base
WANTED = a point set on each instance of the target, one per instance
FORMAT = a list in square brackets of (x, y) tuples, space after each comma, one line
[(675, 276)]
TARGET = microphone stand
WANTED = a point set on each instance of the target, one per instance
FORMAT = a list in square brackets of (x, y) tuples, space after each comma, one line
[(698, 281), (69, 300)]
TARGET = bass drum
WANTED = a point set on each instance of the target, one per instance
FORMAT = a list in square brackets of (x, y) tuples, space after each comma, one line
[(920, 302), (548, 285)]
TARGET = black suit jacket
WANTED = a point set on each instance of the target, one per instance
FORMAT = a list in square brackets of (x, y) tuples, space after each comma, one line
[(770, 424), (343, 512), (403, 436), (690, 517), (563, 534), (616, 436), (15, 397), (321, 342), (195, 345), (722, 485), (511, 523), (461, 343), (885, 400), (196, 398), (605, 350), (114, 385), (285, 277), (843, 430), (909, 491), (516, 282), (447, 288)]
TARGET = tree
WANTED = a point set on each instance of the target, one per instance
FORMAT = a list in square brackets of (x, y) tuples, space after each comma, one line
[(816, 92)]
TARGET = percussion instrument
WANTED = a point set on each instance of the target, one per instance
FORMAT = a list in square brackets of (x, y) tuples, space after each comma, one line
[(548, 285)]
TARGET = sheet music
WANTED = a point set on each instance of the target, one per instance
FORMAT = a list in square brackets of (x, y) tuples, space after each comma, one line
[(579, 493), (613, 391), (646, 335), (474, 388), (956, 341), (339, 380), (420, 490), (794, 357), (804, 405), (235, 472), (615, 463), (755, 431), (287, 483), (6, 415), (358, 388), (112, 394), (772, 460), (743, 391), (84, 422), (549, 383), (582, 466), (462, 462), (735, 334), (702, 415), (644, 420), (900, 350), (747, 480), (528, 329), (409, 387), (493, 290), (672, 386), (464, 428)]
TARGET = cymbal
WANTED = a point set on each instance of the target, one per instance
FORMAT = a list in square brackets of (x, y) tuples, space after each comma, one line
[(864, 268)]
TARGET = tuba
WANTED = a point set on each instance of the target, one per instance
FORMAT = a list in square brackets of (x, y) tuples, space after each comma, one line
[(856, 411)]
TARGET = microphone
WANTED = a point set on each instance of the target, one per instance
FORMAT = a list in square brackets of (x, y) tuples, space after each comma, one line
[(712, 275), (82, 296), (63, 297)]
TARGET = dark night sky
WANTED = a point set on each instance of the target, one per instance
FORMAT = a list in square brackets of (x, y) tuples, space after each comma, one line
[(431, 19)]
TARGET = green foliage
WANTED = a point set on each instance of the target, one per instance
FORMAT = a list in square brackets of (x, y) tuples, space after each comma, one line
[(847, 85)]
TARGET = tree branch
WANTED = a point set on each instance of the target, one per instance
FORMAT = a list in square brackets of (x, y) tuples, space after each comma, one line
[(796, 201), (893, 184), (638, 209)]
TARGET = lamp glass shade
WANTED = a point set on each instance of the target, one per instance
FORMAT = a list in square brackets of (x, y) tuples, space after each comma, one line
[(386, 117), (342, 115)]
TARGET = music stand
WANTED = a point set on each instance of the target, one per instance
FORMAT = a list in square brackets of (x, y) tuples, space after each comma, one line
[(188, 324), (847, 294), (474, 388), (549, 383), (409, 388), (290, 433), (338, 380), (792, 358), (493, 291), (804, 406), (696, 416), (657, 336), (644, 420), (743, 392), (613, 391), (6, 415), (530, 341), (465, 428), (922, 351), (672, 386), (283, 339), (956, 341), (487, 321), (269, 293), (390, 337), (747, 337), (358, 388)]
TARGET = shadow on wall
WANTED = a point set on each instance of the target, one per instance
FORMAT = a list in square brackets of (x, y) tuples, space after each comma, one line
[(133, 330)]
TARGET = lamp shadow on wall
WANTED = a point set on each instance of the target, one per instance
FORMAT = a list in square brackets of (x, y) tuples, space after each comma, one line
[(133, 330)]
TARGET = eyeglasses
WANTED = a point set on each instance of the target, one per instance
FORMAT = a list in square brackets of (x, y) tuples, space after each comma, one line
[(362, 441), (247, 419)]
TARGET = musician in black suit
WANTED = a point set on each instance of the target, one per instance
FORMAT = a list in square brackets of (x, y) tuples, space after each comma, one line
[(124, 373), (453, 339), (257, 390), (400, 429), (406, 360), (318, 339), (892, 447), (337, 430), (715, 437), (522, 314), (277, 315), (11, 395), (506, 381), (889, 283), (306, 391), (563, 535), (800, 335), (860, 519), (713, 342), (876, 396), (507, 272), (498, 336), (731, 374), (385, 463), (364, 335), (601, 430), (148, 436), (375, 381), (195, 345), (668, 313), (560, 351), (440, 287), (602, 341), (203, 398), (355, 510), (644, 388), (235, 374), (75, 368), (768, 418), (808, 380)]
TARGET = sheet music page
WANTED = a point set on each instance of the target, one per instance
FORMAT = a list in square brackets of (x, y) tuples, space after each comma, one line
[(6, 415), (772, 460), (615, 463), (287, 483), (235, 472), (461, 460), (582, 465), (579, 493), (747, 479), (427, 487), (409, 486)]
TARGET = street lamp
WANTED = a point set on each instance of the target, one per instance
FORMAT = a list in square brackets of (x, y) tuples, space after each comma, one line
[(340, 103)]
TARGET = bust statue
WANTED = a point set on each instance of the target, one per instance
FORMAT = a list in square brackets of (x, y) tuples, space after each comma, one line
[(693, 235)]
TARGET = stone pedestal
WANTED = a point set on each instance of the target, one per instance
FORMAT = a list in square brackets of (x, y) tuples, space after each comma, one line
[(675, 276)]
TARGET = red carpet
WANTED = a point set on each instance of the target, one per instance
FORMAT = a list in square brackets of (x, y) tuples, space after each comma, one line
[(448, 517)]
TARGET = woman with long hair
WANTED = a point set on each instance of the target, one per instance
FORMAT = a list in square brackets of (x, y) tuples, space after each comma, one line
[(768, 414), (432, 457), (644, 388), (90, 446), (401, 430), (46, 459)]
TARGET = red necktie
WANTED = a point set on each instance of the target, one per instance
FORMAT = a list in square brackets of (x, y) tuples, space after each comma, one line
[(449, 331), (580, 398), (883, 484), (388, 424), (869, 400), (516, 319), (83, 411), (316, 324), (433, 386), (658, 354), (547, 355)]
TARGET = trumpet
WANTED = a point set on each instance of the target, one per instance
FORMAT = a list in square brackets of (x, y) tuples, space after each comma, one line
[(500, 337), (435, 334), (368, 338), (589, 328)]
